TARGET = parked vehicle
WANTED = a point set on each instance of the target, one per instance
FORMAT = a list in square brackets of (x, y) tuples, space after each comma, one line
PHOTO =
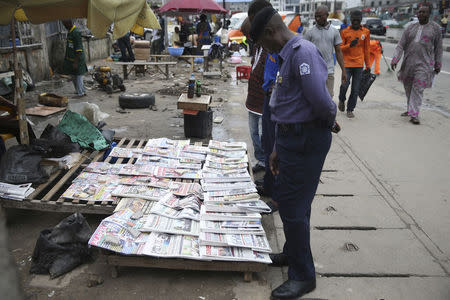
[(390, 22), (412, 20), (374, 25)]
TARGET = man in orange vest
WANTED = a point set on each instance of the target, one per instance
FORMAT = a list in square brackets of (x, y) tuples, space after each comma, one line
[(375, 54)]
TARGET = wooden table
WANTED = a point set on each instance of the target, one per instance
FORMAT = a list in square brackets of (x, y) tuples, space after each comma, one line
[(46, 197), (188, 58), (141, 65)]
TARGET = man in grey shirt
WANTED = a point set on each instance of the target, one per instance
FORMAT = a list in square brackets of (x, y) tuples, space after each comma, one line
[(327, 38)]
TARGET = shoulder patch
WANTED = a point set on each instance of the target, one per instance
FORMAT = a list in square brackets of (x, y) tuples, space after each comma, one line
[(304, 69)]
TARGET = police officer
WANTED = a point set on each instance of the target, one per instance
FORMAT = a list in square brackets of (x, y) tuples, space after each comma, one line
[(305, 117)]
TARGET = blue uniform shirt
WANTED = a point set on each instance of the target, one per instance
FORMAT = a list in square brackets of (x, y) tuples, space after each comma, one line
[(300, 94), (270, 71)]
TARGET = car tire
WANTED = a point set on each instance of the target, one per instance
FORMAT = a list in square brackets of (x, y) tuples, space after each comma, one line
[(136, 100)]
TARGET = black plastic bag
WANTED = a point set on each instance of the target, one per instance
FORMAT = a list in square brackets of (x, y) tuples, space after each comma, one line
[(55, 143), (366, 81), (21, 164), (62, 248)]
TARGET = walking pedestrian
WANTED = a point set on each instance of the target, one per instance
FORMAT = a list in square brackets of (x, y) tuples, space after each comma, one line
[(255, 100), (421, 44), (74, 59), (304, 114), (125, 46), (328, 40), (355, 47), (376, 50)]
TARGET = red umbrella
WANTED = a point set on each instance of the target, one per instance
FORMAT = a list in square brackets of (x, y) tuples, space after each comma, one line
[(178, 7)]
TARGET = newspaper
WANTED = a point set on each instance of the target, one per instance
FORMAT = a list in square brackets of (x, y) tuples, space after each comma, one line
[(144, 192), (242, 227), (228, 216), (170, 200), (229, 188), (166, 143), (237, 155), (90, 192), (229, 177), (195, 149), (186, 188), (243, 206), (215, 165), (103, 168), (124, 152), (225, 160), (169, 212), (158, 223), (135, 205), (168, 245), (167, 162), (224, 171), (117, 234), (117, 179), (227, 146), (15, 192), (233, 253), (177, 173), (130, 169), (174, 153), (255, 242)]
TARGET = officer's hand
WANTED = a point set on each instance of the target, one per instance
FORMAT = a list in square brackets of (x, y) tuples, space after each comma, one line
[(344, 77), (437, 70), (273, 163), (354, 42), (336, 128), (393, 66)]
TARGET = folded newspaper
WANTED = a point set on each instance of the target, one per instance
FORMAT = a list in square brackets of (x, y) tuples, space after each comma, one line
[(124, 152), (227, 160), (90, 192), (228, 216), (139, 191), (172, 213), (177, 173), (258, 206), (227, 146), (251, 241), (234, 253), (15, 191), (229, 188), (167, 162), (227, 177), (169, 245), (158, 223), (166, 143), (239, 227)]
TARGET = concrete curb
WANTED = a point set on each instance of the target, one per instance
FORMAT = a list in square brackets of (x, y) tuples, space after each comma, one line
[(395, 41)]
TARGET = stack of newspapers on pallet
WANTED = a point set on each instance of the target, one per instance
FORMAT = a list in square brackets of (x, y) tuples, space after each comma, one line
[(230, 219), (160, 210)]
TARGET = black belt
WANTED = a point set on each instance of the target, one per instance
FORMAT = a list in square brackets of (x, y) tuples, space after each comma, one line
[(309, 124)]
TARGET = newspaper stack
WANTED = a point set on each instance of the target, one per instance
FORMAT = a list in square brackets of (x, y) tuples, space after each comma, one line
[(230, 223), (15, 192)]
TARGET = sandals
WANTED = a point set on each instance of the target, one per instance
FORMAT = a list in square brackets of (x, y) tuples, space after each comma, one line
[(405, 114), (415, 121)]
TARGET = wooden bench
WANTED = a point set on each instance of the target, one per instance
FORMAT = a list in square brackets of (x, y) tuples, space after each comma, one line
[(139, 66), (188, 58)]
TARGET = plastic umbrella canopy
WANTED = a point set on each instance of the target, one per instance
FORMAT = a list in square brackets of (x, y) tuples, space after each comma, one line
[(179, 7), (100, 14)]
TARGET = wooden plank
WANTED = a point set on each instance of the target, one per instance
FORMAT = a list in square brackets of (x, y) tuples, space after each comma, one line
[(43, 111), (197, 103), (184, 264), (52, 206)]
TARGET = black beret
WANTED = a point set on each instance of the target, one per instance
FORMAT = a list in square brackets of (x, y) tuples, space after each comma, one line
[(260, 21)]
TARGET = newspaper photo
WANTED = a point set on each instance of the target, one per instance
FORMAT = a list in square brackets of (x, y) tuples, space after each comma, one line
[(185, 188), (170, 200), (124, 152), (212, 239), (158, 223), (135, 205), (255, 242), (169, 212), (90, 192), (168, 245)]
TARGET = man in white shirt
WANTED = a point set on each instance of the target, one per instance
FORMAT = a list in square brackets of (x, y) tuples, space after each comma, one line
[(327, 39)]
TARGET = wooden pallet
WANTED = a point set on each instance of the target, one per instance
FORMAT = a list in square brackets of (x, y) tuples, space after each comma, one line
[(46, 197)]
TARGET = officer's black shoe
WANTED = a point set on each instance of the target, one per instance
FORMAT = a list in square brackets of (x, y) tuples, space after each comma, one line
[(292, 289), (278, 259)]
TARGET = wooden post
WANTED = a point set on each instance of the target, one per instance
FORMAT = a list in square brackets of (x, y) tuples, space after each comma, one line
[(18, 93)]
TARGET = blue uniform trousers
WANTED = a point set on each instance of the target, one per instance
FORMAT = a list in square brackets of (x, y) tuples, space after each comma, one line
[(267, 140), (301, 153)]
